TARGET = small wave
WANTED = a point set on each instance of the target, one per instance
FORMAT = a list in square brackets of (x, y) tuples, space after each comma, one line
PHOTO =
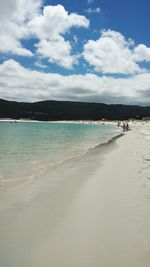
[(108, 142), (86, 150), (42, 167)]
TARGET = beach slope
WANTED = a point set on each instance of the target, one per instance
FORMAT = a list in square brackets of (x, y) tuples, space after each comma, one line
[(95, 214)]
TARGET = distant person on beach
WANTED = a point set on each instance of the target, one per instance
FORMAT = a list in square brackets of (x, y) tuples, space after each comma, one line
[(124, 126), (127, 126)]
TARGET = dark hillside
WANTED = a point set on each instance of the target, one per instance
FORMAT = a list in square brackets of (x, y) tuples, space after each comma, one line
[(65, 110)]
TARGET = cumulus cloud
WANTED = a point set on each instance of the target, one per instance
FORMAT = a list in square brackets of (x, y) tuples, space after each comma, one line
[(141, 53), (50, 28), (111, 53), (24, 84), (21, 20), (55, 21), (15, 16), (57, 51)]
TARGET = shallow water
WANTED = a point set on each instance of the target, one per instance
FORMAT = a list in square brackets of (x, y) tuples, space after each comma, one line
[(28, 150)]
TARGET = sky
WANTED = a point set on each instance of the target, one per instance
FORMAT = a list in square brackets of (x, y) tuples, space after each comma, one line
[(87, 50)]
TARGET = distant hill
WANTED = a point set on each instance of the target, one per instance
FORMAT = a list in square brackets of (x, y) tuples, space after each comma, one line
[(67, 110)]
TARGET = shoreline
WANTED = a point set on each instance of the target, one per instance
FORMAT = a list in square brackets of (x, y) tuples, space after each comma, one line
[(49, 165), (71, 121)]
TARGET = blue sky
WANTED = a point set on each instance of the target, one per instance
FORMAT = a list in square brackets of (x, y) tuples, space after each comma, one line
[(85, 50), (131, 18)]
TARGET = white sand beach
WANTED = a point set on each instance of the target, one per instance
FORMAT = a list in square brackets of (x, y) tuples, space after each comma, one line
[(95, 215)]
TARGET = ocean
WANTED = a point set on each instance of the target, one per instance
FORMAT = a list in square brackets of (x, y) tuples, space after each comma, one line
[(31, 149)]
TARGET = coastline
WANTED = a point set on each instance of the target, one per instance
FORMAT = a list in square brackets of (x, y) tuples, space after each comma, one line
[(102, 121), (95, 214), (58, 121)]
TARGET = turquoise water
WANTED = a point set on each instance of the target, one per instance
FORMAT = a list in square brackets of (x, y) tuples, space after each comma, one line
[(29, 149)]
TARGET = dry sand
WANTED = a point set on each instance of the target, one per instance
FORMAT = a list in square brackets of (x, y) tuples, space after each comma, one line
[(95, 215)]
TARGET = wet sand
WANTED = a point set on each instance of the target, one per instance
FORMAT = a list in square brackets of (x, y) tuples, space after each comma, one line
[(90, 212)]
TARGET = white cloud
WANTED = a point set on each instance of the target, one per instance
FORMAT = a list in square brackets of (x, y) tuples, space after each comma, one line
[(40, 65), (50, 28), (141, 53), (55, 21), (57, 51), (21, 20), (111, 53), (14, 17), (91, 10), (19, 83)]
